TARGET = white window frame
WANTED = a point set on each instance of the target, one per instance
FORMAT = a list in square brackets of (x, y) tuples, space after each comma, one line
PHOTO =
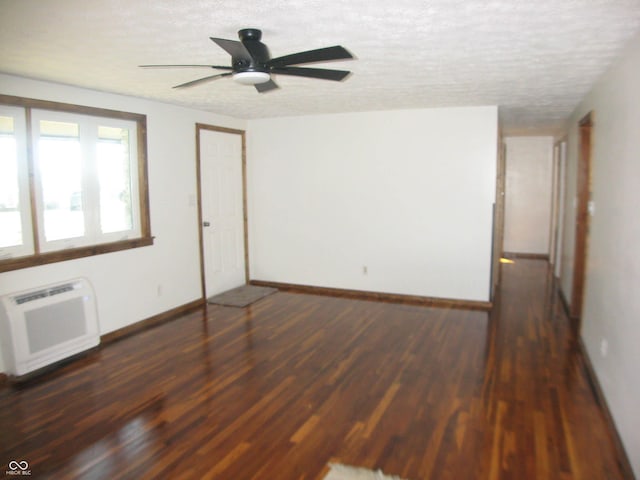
[(24, 197), (88, 136)]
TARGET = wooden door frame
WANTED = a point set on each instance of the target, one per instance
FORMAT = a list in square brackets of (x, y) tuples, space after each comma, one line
[(583, 196), (498, 217), (213, 128)]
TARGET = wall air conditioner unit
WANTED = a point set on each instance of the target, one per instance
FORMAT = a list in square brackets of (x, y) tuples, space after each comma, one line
[(42, 326)]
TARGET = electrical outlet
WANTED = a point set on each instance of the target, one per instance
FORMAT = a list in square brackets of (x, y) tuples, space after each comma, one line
[(604, 347), (365, 270)]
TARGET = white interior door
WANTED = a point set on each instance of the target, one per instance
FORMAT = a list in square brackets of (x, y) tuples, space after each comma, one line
[(222, 210)]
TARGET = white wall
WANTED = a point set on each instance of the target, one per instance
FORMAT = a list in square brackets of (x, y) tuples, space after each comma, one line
[(529, 166), (406, 193), (127, 282), (612, 304)]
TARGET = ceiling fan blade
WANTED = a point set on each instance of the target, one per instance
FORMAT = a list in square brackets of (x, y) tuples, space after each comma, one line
[(202, 80), (234, 48), (266, 86), (322, 73), (217, 67), (320, 55)]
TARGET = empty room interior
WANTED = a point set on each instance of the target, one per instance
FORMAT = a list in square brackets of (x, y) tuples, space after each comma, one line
[(320, 240)]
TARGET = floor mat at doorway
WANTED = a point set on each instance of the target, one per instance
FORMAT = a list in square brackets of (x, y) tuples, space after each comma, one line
[(241, 296)]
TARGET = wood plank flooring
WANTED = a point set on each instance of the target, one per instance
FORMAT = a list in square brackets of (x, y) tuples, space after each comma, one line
[(279, 389)]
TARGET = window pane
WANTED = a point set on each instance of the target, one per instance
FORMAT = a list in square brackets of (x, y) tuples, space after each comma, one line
[(114, 177), (10, 218), (60, 165)]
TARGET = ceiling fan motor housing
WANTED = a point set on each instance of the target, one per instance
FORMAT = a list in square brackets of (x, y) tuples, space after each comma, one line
[(258, 52)]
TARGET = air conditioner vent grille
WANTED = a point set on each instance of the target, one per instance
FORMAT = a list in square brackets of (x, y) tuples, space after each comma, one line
[(47, 292)]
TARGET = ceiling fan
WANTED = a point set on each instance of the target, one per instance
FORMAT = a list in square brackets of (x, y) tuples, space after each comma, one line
[(251, 63)]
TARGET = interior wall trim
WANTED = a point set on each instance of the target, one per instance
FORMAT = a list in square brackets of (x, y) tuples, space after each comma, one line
[(527, 256), (616, 440), (151, 322), (378, 296)]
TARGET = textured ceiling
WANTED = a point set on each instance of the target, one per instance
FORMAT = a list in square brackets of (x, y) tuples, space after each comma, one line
[(536, 59)]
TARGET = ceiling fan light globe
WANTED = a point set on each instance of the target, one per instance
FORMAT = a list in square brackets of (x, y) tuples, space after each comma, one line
[(251, 78)]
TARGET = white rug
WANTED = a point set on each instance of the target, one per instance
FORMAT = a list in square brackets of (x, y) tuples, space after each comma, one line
[(344, 472)]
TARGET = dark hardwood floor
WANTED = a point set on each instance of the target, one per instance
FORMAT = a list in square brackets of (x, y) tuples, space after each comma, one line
[(278, 389)]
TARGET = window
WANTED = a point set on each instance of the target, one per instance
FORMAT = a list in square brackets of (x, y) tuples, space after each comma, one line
[(72, 182), (15, 219)]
